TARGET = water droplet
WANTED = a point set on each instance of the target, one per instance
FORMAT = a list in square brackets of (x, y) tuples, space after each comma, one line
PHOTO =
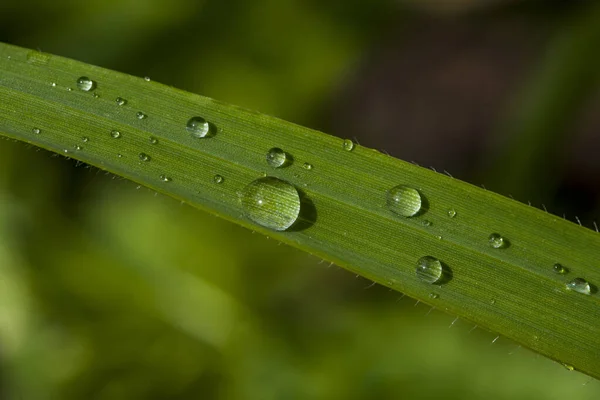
[(144, 157), (115, 134), (307, 166), (85, 139), (65, 151), (426, 222), (433, 295), (271, 202), (348, 145), (276, 157), (560, 269), (493, 301), (121, 101), (218, 179), (147, 79), (96, 95), (53, 84), (497, 241), (78, 147), (429, 269), (153, 140), (141, 115), (119, 155), (404, 200), (86, 84), (198, 127), (451, 213), (580, 285), (37, 131), (568, 366), (165, 178), (69, 89)]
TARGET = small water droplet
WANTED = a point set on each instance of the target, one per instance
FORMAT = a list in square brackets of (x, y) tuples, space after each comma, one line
[(426, 222), (307, 166), (121, 101), (119, 155), (85, 139), (348, 145), (115, 134), (580, 285), (141, 115), (144, 157), (568, 366), (198, 127), (153, 140), (493, 301), (69, 89), (96, 95), (433, 295), (86, 84), (218, 179), (452, 213), (271, 202), (497, 241), (65, 151), (438, 237), (165, 178), (276, 157), (78, 147), (37, 131), (560, 269), (147, 79), (429, 269), (53, 84), (404, 201)]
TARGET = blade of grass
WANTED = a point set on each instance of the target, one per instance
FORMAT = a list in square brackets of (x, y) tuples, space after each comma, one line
[(513, 290)]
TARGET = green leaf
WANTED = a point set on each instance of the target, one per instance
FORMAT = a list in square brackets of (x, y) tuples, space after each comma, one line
[(457, 247)]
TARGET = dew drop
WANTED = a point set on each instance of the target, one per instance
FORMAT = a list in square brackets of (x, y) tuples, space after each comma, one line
[(218, 179), (271, 202), (144, 157), (497, 241), (96, 96), (37, 131), (348, 145), (429, 269), (165, 178), (115, 134), (141, 115), (560, 269), (580, 285), (119, 155), (147, 79), (568, 366), (492, 302), (452, 213), (433, 295), (198, 127), (307, 166), (121, 101), (78, 147), (86, 84), (53, 84), (69, 89), (404, 200), (153, 140), (85, 139), (276, 157), (426, 222)]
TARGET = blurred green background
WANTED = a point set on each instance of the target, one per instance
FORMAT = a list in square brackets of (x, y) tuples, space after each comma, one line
[(109, 291)]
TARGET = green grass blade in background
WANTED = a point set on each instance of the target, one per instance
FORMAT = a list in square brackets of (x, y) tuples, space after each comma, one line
[(454, 246)]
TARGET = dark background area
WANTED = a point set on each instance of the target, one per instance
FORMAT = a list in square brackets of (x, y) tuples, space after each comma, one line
[(112, 292)]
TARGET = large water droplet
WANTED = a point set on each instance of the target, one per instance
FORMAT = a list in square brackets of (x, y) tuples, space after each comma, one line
[(276, 157), (497, 241), (271, 202), (115, 134), (429, 269), (121, 101), (348, 145), (580, 285), (144, 157), (404, 200), (560, 269), (86, 84), (198, 127)]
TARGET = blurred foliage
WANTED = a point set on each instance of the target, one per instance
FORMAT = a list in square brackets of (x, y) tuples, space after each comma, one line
[(108, 292)]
